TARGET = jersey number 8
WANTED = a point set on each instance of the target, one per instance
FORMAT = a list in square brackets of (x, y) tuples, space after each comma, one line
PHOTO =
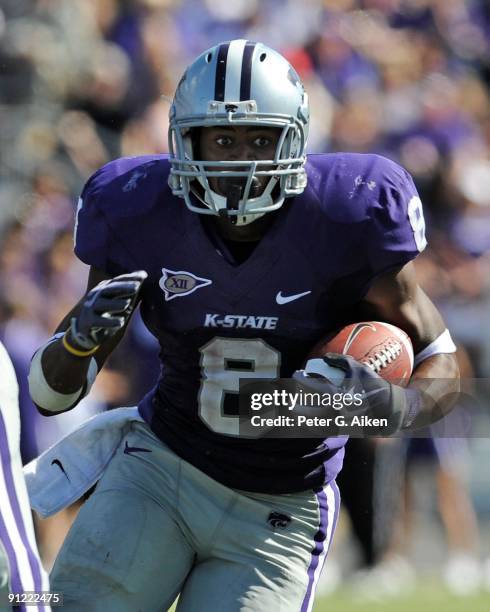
[(223, 362), (417, 222)]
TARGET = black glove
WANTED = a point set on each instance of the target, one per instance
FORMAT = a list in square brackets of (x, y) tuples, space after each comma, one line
[(380, 398), (105, 310)]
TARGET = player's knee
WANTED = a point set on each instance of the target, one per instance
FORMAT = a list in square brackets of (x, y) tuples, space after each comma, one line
[(100, 552)]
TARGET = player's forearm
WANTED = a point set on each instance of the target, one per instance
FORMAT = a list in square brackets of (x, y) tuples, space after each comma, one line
[(438, 379), (64, 372), (59, 379)]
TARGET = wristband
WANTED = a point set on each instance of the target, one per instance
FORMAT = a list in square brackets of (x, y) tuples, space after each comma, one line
[(442, 344), (77, 352), (44, 395)]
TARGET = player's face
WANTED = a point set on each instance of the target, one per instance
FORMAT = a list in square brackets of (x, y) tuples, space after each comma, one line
[(235, 143)]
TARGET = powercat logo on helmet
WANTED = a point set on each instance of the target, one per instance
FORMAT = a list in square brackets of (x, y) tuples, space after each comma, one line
[(180, 283)]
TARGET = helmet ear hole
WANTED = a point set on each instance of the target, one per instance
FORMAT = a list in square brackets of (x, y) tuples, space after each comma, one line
[(209, 57), (262, 56)]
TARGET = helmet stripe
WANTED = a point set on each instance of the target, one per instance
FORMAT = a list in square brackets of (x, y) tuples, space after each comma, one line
[(246, 76), (233, 70), (219, 85)]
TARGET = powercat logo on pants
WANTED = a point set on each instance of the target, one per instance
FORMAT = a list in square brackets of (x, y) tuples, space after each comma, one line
[(180, 283)]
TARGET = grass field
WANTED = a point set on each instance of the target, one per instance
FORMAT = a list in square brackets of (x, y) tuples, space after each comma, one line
[(429, 598)]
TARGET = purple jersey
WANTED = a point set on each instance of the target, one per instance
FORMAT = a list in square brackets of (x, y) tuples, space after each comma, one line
[(217, 322)]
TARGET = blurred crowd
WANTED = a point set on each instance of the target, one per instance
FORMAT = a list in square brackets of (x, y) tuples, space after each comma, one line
[(84, 81)]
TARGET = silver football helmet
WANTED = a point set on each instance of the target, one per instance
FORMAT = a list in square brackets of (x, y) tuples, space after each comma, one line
[(239, 83)]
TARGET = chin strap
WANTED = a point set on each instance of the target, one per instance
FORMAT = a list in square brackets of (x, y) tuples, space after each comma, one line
[(233, 192), (232, 201)]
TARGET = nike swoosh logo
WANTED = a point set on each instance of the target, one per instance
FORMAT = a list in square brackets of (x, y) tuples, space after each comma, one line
[(128, 450), (354, 333), (59, 464), (285, 299)]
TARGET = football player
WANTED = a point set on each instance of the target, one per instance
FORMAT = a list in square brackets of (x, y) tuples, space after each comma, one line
[(20, 564), (242, 252)]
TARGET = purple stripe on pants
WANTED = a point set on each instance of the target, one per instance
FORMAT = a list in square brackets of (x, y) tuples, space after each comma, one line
[(14, 577), (320, 538), (34, 561)]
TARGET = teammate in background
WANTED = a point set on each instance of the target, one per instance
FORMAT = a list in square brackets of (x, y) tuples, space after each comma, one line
[(242, 253), (20, 565)]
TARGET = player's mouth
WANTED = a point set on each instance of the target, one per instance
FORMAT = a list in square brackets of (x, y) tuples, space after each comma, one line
[(233, 187)]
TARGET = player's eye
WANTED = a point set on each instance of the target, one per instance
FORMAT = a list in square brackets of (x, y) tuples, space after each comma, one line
[(223, 141), (262, 141)]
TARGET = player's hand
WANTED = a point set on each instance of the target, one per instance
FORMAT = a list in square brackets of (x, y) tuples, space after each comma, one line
[(105, 310), (380, 398), (319, 381)]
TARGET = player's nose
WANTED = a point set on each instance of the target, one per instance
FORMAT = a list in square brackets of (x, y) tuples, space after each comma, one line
[(243, 152)]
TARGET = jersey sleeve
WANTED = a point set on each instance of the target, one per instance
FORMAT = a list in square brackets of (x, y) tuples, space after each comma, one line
[(397, 222), (92, 234)]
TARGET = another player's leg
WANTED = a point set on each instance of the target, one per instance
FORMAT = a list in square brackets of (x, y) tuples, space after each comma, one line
[(125, 551), (4, 580), (19, 559), (356, 484)]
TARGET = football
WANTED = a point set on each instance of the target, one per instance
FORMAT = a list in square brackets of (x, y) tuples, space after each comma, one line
[(381, 346)]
